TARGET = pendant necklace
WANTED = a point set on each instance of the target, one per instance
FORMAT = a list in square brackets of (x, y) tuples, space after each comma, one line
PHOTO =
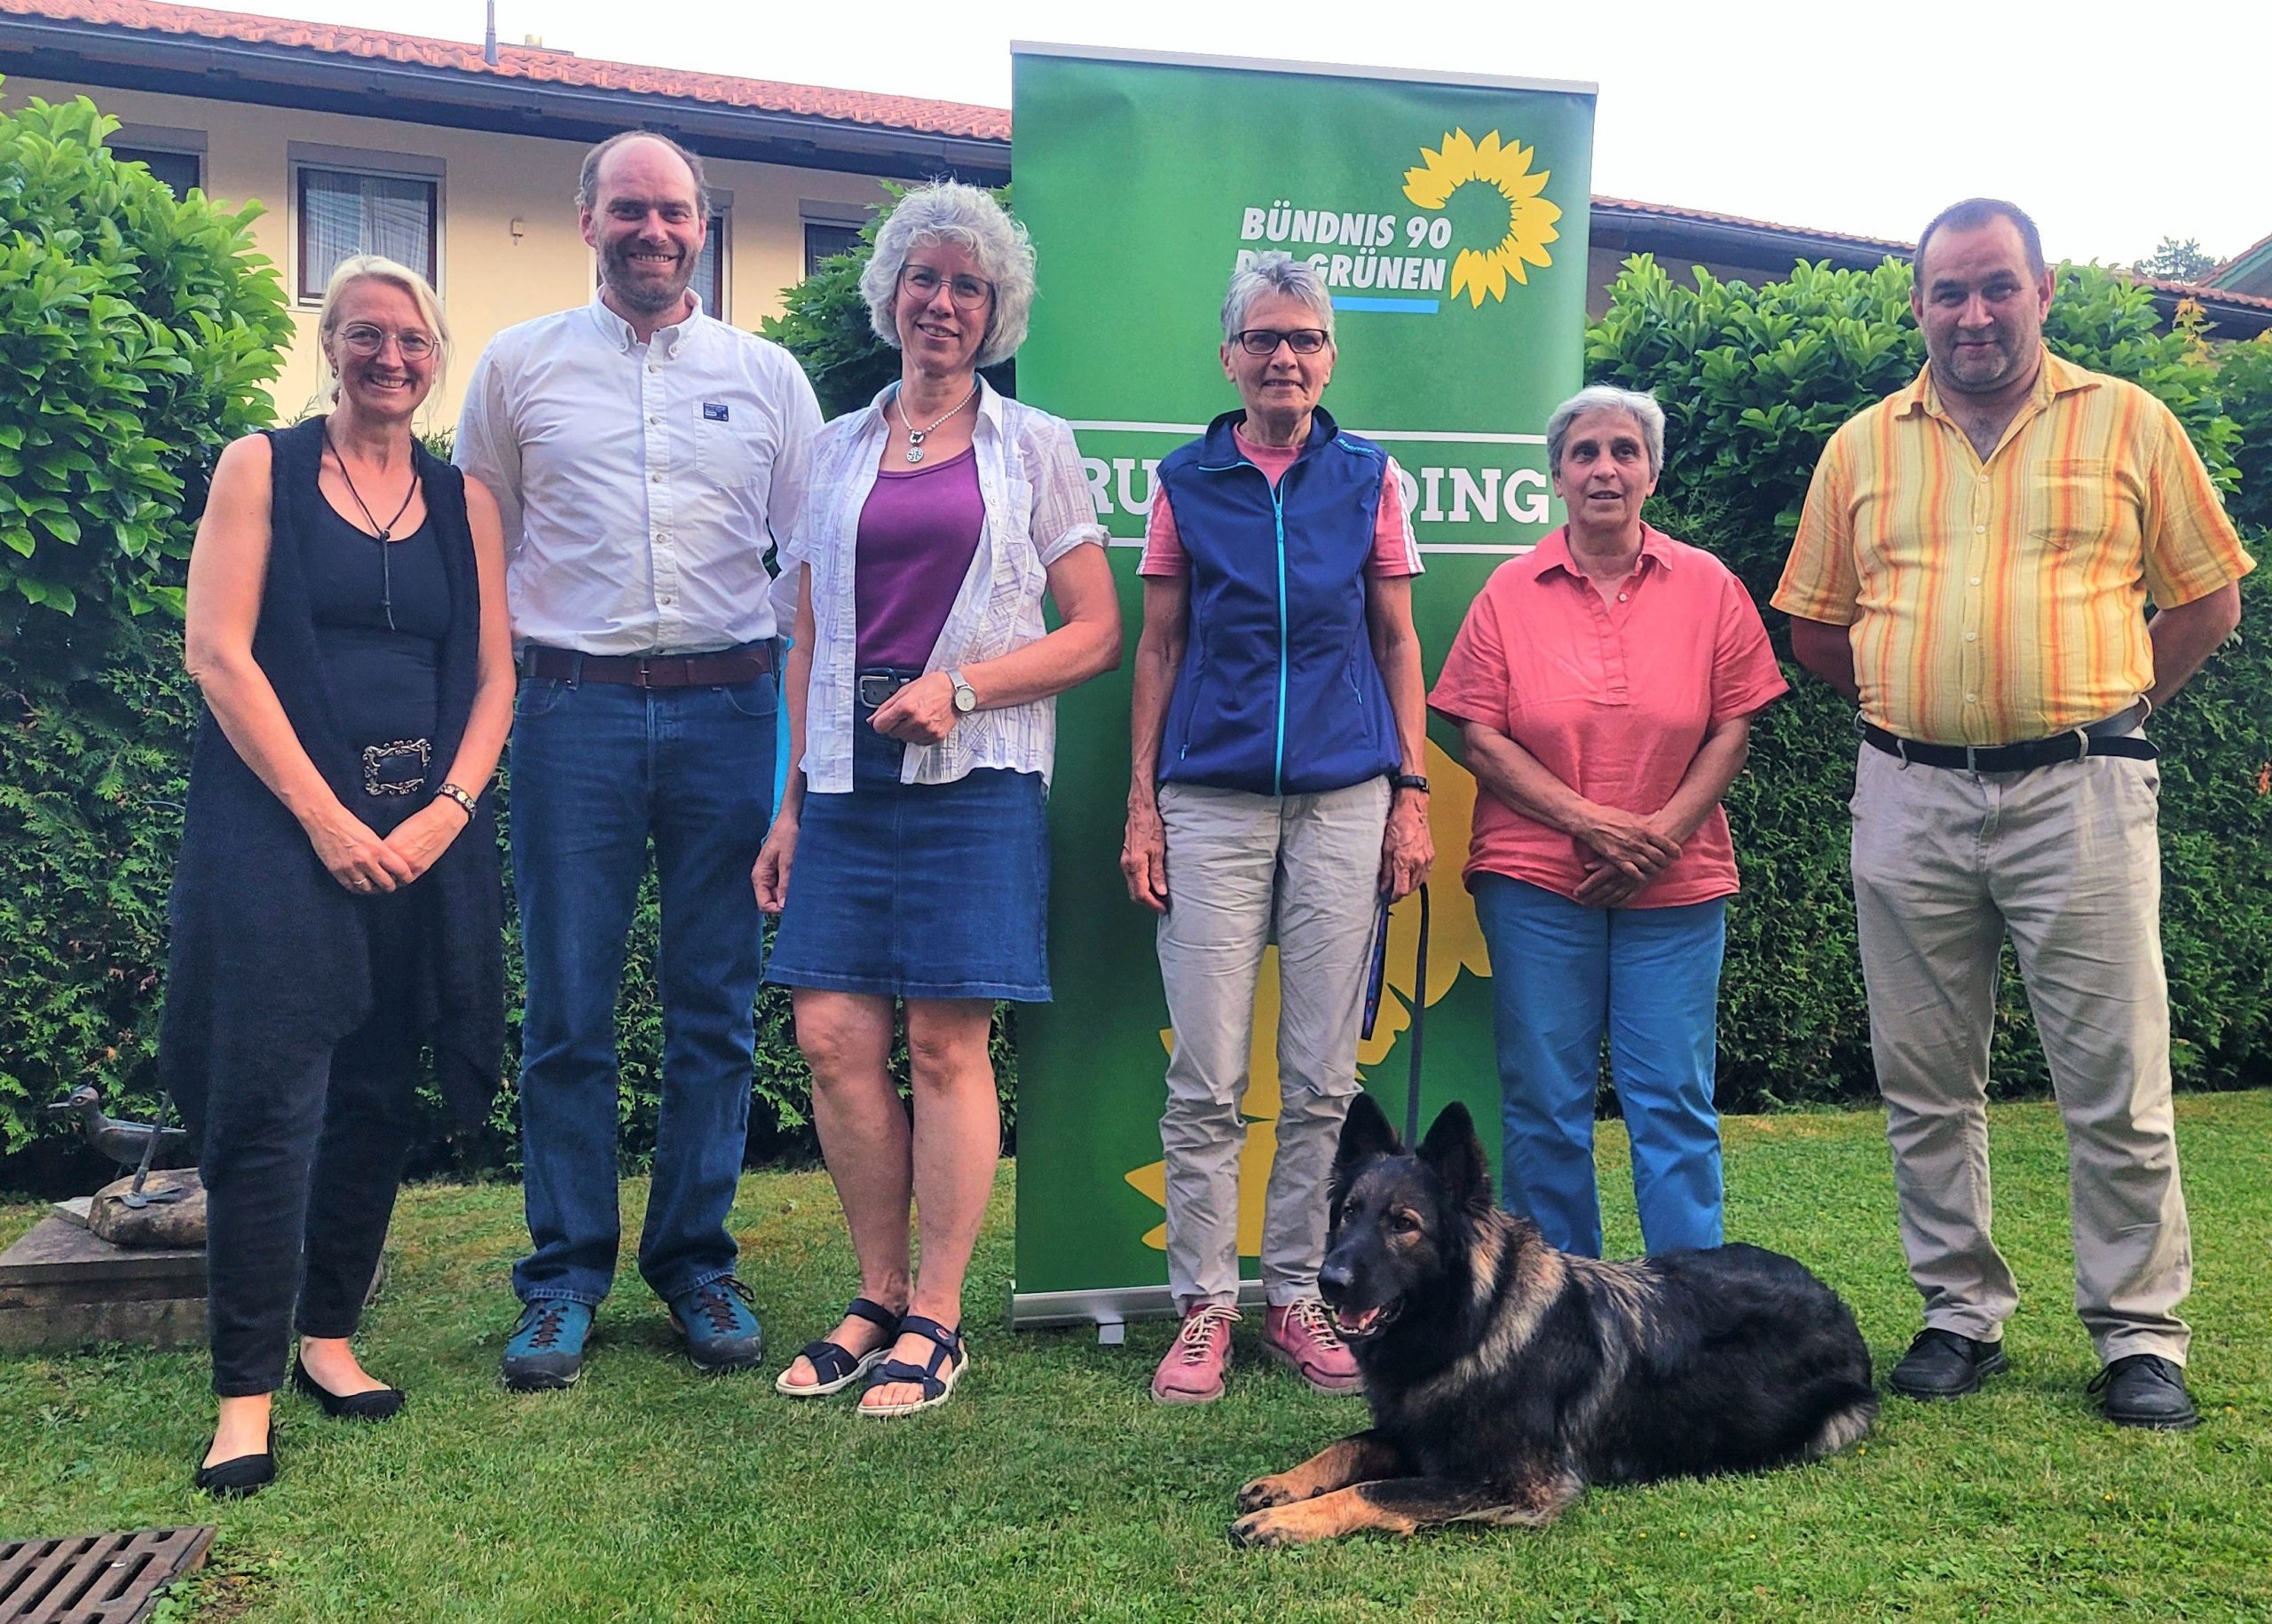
[(385, 532), (915, 436)]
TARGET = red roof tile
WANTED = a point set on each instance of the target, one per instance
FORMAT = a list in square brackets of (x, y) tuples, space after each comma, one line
[(539, 67), (1666, 209)]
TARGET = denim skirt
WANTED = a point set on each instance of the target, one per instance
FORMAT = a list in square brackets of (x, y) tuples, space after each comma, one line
[(918, 890)]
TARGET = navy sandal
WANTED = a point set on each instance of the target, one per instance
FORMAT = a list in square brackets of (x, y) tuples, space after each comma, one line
[(936, 1375), (836, 1364)]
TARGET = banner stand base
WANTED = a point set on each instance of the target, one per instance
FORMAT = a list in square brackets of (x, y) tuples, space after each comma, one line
[(1108, 1308)]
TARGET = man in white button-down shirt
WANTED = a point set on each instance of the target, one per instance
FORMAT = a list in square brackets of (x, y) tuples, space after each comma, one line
[(633, 446)]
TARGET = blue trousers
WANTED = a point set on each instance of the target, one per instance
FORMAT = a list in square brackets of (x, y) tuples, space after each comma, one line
[(1560, 974), (599, 770)]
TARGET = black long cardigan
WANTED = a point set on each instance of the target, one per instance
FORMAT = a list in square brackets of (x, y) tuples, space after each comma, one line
[(269, 962)]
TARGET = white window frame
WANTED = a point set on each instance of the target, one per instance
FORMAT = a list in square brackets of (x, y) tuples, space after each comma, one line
[(302, 155), (846, 217), (721, 217)]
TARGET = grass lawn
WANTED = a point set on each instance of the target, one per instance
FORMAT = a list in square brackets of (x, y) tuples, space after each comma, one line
[(1053, 1488)]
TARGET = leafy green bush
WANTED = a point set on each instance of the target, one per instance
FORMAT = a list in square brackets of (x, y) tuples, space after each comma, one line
[(1753, 381), (136, 330)]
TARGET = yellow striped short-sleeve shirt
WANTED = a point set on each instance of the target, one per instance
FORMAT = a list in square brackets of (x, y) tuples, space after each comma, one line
[(2000, 601)]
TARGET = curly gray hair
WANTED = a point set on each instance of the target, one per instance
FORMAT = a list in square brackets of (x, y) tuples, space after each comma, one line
[(1642, 408), (968, 217), (1274, 272)]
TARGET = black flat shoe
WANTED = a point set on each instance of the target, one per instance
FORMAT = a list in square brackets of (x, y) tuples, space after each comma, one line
[(1943, 1365), (240, 1475), (2145, 1390), (380, 1404)]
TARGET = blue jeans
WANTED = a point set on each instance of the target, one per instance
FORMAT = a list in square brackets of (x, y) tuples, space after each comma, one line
[(1560, 973), (599, 768)]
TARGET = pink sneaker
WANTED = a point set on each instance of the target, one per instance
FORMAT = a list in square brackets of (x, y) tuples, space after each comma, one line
[(1302, 1335), (1200, 1357)]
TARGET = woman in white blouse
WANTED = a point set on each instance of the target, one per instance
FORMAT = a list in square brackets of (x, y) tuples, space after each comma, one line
[(921, 691)]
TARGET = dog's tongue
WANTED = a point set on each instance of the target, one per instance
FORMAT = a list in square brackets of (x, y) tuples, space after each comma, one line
[(1358, 1324)]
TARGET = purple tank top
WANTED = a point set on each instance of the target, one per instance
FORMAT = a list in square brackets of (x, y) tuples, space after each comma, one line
[(918, 531)]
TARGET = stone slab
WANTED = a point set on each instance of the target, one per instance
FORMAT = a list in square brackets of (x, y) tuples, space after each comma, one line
[(74, 1211), (62, 1287)]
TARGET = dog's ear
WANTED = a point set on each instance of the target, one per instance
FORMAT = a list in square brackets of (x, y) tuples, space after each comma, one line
[(1365, 1134), (1452, 1149)]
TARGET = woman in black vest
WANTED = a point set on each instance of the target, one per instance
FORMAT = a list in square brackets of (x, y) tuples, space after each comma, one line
[(338, 905)]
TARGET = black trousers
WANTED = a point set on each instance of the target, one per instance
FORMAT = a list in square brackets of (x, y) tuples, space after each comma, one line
[(301, 1165)]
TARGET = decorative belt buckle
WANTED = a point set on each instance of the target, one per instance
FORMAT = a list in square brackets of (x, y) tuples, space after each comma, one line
[(878, 686), (388, 769)]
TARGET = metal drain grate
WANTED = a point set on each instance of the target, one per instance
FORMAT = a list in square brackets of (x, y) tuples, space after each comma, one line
[(95, 1578)]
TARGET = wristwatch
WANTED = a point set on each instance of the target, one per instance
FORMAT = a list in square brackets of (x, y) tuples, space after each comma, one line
[(1409, 781), (966, 695)]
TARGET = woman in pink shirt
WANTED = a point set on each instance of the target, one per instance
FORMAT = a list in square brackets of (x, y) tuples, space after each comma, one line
[(1604, 685)]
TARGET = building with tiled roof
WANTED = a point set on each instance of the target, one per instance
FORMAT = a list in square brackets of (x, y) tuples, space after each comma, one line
[(461, 158)]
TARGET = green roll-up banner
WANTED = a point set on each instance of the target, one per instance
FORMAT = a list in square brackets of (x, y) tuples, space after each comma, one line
[(1448, 215)]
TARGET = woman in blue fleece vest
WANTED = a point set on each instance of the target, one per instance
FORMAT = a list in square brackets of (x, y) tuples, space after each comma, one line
[(1276, 789)]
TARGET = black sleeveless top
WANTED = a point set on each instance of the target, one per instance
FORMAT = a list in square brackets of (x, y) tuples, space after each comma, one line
[(381, 611)]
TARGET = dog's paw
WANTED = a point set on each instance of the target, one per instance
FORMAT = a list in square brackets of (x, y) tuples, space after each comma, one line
[(1264, 1492), (1268, 1530)]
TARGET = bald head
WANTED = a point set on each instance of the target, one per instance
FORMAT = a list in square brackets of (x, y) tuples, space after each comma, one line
[(588, 179)]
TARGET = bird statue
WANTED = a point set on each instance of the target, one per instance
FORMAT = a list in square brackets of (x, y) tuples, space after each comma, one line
[(134, 1145)]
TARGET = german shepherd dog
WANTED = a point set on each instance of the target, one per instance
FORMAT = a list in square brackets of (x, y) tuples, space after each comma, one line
[(1504, 1377)]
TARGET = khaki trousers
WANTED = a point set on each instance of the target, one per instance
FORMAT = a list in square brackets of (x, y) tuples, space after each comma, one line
[(2066, 860), (1242, 866)]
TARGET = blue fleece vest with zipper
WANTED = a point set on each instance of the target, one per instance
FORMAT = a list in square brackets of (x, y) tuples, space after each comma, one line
[(1278, 692)]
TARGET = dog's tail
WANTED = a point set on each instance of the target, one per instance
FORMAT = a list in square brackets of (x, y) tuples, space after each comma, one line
[(1845, 1425)]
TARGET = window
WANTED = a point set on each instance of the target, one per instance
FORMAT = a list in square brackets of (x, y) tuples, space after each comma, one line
[(344, 212), (181, 172), (826, 238), (710, 269)]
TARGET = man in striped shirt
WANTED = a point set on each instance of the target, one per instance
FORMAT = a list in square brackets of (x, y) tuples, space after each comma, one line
[(1972, 568)]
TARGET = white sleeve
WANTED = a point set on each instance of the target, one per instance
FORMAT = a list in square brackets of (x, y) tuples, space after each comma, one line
[(1064, 512), (488, 446), (797, 410)]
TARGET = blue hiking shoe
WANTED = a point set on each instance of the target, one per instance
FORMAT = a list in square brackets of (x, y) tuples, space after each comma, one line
[(546, 1350), (720, 1326)]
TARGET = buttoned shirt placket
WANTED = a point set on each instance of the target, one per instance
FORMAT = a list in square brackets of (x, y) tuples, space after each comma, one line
[(1971, 661), (655, 431)]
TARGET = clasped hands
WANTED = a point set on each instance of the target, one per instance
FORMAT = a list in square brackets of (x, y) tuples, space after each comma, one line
[(1629, 851), (364, 862)]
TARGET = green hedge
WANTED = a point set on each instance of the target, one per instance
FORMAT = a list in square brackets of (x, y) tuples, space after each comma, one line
[(1754, 381)]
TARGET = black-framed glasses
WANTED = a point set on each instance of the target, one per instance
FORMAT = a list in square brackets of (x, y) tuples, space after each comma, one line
[(364, 341), (1265, 341), (967, 292)]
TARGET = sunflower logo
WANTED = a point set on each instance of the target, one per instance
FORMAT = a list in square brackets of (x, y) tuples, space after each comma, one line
[(1460, 161)]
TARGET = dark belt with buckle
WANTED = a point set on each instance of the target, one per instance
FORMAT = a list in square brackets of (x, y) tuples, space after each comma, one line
[(719, 670), (398, 768), (2111, 736), (875, 687)]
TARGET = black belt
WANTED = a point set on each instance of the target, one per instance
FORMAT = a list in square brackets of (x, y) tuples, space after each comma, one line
[(719, 670), (2110, 736)]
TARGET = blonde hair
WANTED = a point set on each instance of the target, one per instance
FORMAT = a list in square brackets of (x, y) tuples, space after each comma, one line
[(377, 268)]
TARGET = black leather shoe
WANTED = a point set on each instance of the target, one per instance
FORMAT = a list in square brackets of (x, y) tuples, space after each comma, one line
[(2145, 1390), (380, 1404), (1944, 1365), (240, 1475)]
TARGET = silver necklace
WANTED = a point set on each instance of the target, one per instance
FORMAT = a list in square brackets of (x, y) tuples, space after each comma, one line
[(915, 436)]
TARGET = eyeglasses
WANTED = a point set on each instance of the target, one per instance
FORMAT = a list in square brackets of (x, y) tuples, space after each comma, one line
[(365, 341), (1265, 341), (967, 291)]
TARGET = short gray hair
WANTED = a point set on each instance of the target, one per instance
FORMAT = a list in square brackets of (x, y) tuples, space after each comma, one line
[(1275, 271), (1637, 404), (968, 217), (588, 178)]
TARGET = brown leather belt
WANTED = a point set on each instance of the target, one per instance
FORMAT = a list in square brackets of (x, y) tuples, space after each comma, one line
[(728, 665)]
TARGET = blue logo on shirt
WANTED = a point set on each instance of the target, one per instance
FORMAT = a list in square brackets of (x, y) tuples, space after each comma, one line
[(713, 412)]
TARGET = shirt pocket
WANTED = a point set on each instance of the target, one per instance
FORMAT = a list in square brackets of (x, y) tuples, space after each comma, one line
[(2067, 503), (724, 453)]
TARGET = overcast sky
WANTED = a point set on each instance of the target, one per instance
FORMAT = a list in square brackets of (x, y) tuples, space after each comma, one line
[(2114, 125)]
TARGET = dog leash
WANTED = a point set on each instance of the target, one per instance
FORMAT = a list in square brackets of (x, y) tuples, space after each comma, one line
[(1373, 984)]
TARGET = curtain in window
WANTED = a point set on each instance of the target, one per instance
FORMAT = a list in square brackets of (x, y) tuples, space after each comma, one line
[(344, 214)]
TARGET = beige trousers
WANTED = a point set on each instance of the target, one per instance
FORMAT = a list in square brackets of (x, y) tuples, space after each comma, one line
[(2066, 860), (1240, 867)]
